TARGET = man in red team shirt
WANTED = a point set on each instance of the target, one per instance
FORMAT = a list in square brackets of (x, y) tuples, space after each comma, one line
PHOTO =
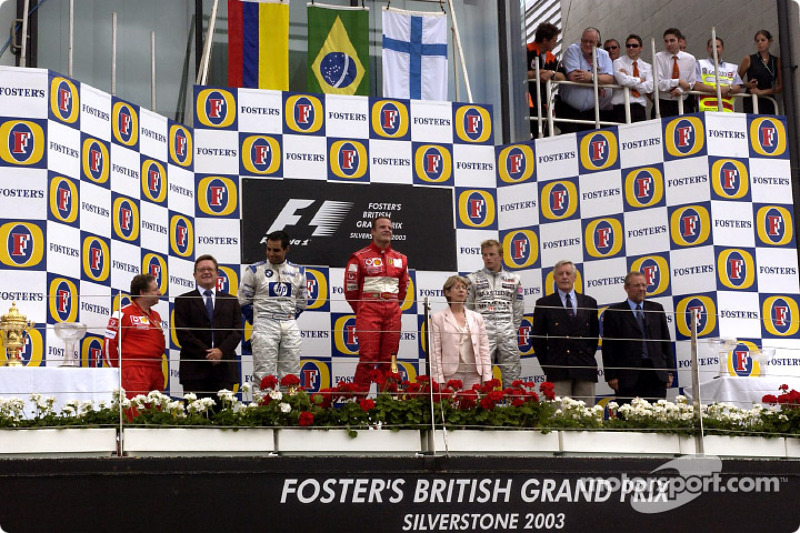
[(375, 284), (135, 331)]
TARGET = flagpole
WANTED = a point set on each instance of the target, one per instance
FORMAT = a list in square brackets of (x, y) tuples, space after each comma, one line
[(457, 44), (202, 74)]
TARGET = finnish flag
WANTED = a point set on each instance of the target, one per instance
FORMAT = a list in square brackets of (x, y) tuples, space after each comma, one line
[(414, 54)]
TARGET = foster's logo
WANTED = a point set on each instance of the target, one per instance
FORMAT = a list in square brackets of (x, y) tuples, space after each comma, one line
[(515, 163), (63, 300), (92, 352), (126, 219), (559, 200), (780, 316), (521, 249), (345, 339), (774, 225), (125, 124), (473, 124), (314, 375), (156, 266), (304, 114), (525, 336), (644, 187), (154, 181), (476, 208), (95, 161), (655, 270), (216, 108), (227, 280), (32, 350), (767, 137), (390, 119), (690, 225), (704, 311), (684, 137), (432, 164), (741, 361), (64, 200), (603, 237), (64, 100), (599, 151), (317, 288), (348, 160), (736, 269), (180, 146), (730, 179), (96, 264), (24, 245), (218, 196), (261, 155), (181, 236), (21, 142)]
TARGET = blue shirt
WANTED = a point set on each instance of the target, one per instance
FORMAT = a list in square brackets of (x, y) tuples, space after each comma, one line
[(578, 97)]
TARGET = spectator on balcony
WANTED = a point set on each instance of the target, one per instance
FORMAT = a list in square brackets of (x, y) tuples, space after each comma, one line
[(764, 76), (677, 74), (578, 102), (729, 80), (541, 51), (632, 72)]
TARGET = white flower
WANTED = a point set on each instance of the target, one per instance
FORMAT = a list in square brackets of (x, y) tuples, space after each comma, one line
[(276, 395), (190, 397), (246, 387), (285, 407)]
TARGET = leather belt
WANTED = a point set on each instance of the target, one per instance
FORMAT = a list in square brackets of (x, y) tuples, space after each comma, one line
[(278, 316), (378, 296)]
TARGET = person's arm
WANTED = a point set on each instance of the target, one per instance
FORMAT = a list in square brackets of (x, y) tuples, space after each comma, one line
[(484, 354), (664, 65), (666, 345), (234, 326), (744, 66), (247, 291), (539, 332), (352, 283), (594, 326), (301, 298), (184, 328), (402, 288), (113, 337), (436, 349), (611, 347), (518, 305)]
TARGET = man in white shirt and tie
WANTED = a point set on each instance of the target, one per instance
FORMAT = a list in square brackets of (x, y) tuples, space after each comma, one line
[(632, 72), (677, 74)]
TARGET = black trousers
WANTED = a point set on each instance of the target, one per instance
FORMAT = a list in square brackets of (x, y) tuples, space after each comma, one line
[(647, 386)]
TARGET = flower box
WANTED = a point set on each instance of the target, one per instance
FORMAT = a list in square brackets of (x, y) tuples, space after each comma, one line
[(338, 441), (491, 441), (724, 445), (62, 442), (159, 441), (619, 442), (792, 447)]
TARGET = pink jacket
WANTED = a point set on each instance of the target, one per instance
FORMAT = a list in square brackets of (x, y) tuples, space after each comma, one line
[(444, 345)]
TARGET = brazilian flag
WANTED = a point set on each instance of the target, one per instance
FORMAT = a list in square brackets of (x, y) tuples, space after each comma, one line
[(338, 50)]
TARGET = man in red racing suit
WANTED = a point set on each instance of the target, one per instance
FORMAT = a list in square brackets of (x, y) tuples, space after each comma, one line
[(375, 285)]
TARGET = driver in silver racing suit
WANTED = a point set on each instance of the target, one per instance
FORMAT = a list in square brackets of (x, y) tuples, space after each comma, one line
[(277, 291), (497, 295)]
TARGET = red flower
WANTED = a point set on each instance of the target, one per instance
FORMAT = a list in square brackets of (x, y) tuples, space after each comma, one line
[(517, 402), (268, 382), (493, 383), (467, 399), (784, 387), (423, 379), (769, 398), (306, 418), (456, 384), (290, 380), (366, 405), (413, 388), (518, 383), (548, 389), (323, 398), (376, 376)]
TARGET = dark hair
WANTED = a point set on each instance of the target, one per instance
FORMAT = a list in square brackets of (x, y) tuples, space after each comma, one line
[(381, 217), (765, 33), (611, 41), (673, 31), (634, 36), (708, 43), (141, 282), (632, 274), (279, 236), (546, 30), (205, 257)]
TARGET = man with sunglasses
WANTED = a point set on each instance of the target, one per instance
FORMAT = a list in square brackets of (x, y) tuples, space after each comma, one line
[(612, 47), (630, 71)]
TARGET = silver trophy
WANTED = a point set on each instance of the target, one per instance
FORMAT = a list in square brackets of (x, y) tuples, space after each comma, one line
[(70, 333)]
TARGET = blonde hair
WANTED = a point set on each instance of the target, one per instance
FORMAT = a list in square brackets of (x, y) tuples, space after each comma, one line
[(452, 280)]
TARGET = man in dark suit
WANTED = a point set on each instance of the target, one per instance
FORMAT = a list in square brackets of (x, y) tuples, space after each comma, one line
[(565, 334), (637, 352), (208, 350)]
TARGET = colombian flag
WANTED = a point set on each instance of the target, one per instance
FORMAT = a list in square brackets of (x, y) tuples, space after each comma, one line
[(258, 44)]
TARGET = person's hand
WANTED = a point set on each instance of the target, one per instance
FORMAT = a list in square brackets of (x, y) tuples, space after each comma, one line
[(614, 384), (669, 380), (214, 355)]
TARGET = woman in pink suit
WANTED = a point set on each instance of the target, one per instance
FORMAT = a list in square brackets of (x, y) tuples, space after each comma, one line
[(459, 345)]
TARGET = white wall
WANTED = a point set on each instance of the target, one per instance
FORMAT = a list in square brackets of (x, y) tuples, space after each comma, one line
[(8, 11)]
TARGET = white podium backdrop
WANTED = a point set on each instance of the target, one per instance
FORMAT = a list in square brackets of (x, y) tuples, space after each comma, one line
[(96, 190)]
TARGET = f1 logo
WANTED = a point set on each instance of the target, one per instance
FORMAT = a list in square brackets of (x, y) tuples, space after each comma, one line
[(21, 139), (473, 123), (432, 162), (684, 136), (389, 118), (781, 312), (768, 136), (20, 241), (303, 112), (64, 97), (736, 267), (689, 225), (62, 300), (217, 193), (599, 149), (476, 207), (730, 175), (215, 107), (603, 237), (558, 198)]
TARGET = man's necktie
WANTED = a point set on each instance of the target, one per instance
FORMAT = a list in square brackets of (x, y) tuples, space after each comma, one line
[(676, 73), (570, 312), (634, 92), (209, 304), (640, 320)]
